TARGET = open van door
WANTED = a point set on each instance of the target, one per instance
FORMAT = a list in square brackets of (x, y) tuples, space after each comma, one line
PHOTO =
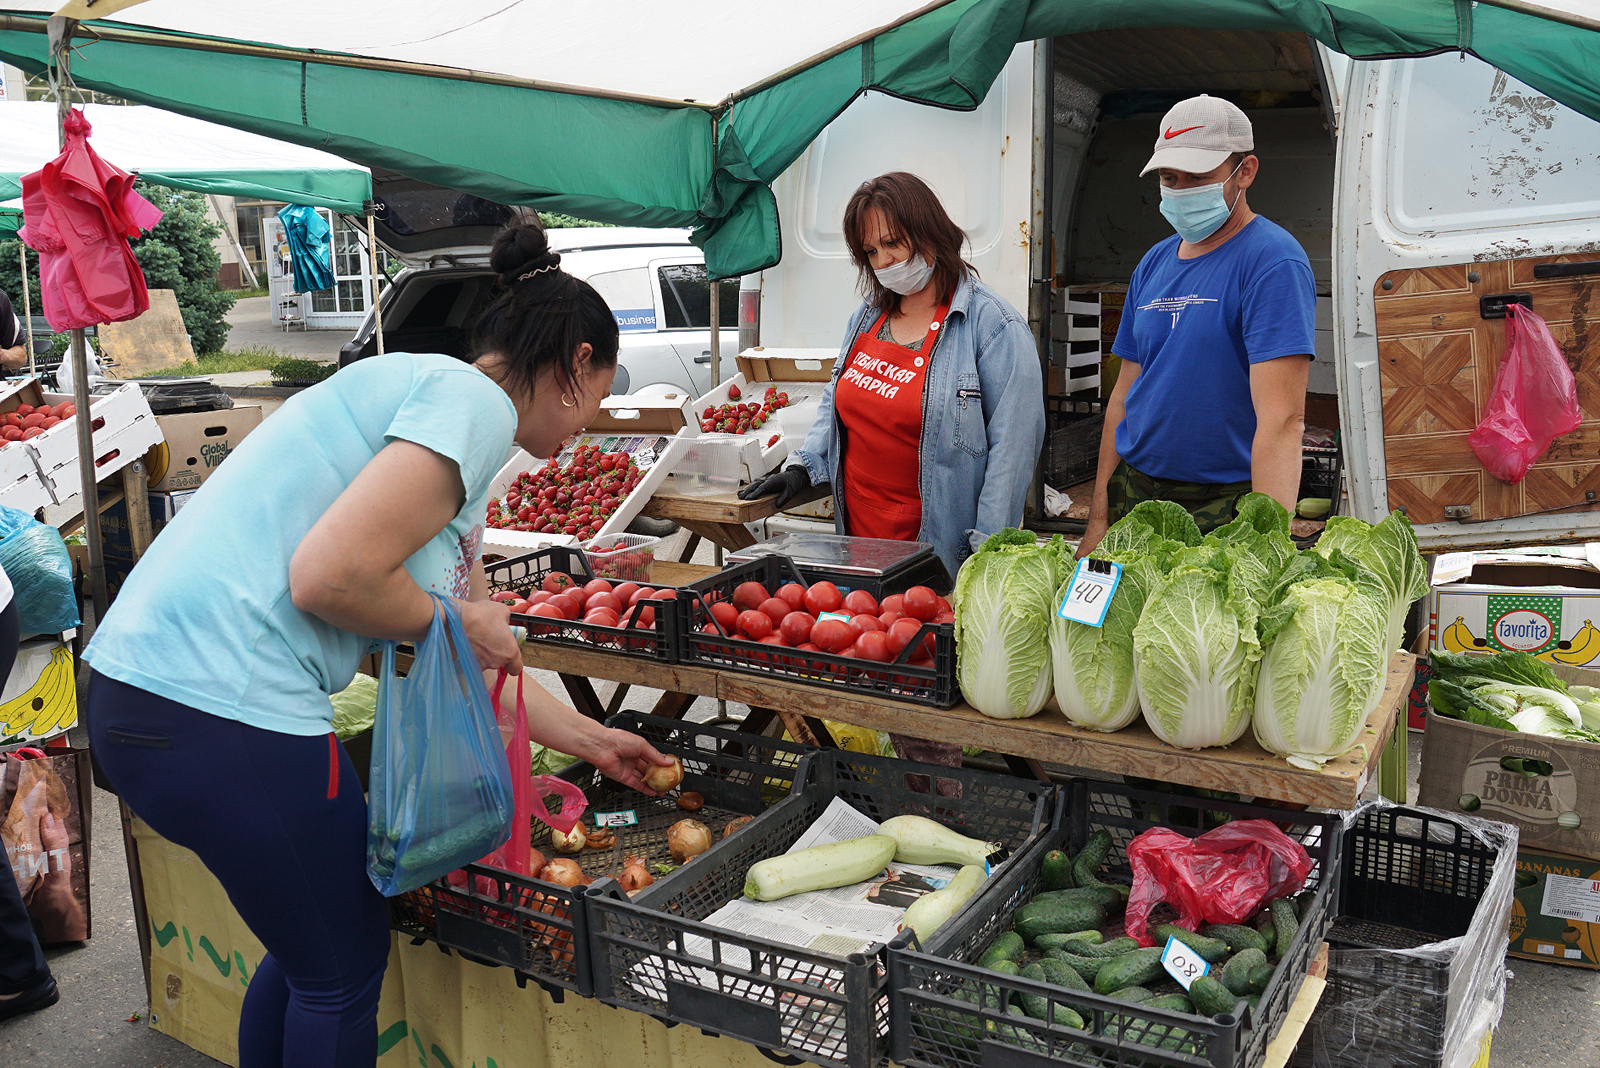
[(1457, 183)]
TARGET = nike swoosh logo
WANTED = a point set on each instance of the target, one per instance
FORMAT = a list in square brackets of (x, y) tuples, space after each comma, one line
[(1171, 133)]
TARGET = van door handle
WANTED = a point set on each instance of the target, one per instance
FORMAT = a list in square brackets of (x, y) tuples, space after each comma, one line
[(704, 357), (1566, 270)]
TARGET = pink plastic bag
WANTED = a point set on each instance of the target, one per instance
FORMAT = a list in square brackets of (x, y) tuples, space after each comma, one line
[(1223, 876), (1534, 400), (514, 855)]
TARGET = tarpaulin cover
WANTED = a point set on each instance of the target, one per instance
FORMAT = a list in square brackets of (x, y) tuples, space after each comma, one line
[(604, 110)]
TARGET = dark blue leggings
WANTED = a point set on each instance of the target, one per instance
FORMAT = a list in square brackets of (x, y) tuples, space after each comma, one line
[(280, 820)]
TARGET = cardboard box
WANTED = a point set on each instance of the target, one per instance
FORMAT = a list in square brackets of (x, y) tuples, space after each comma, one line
[(641, 415), (1556, 913), (114, 533), (20, 484), (801, 373), (1523, 779), (1543, 600), (194, 443), (40, 699)]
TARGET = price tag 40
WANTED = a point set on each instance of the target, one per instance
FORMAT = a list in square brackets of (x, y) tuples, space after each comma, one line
[(625, 818), (1094, 582), (1183, 963)]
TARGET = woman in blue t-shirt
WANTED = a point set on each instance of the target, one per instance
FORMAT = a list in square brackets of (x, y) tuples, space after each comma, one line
[(327, 528)]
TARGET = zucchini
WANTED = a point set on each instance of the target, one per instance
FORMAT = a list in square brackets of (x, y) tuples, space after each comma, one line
[(1210, 949), (919, 840), (1285, 922), (1171, 1002), (1008, 947), (932, 911), (1056, 871), (819, 868), (1059, 941), (1088, 967), (1211, 997), (1114, 948), (1235, 974), (1133, 993), (1236, 937), (1052, 917), (1060, 973), (1086, 868), (1130, 969), (1260, 976), (1038, 1006)]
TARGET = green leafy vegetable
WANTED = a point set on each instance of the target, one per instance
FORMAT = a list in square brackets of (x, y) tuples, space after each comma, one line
[(1389, 550), (1094, 665), (1003, 604)]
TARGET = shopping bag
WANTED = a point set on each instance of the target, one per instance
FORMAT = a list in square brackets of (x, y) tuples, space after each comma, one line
[(439, 791), (1534, 400), (45, 803), (35, 559), (514, 855)]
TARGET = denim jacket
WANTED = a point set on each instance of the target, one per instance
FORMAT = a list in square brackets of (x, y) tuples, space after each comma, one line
[(982, 424)]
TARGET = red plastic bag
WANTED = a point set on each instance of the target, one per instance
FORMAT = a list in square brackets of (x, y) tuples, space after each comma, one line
[(514, 855), (1223, 876), (1534, 400)]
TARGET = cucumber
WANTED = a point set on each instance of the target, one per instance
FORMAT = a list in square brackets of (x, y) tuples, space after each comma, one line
[(945, 1027), (1006, 967), (932, 911), (1267, 930), (1260, 976), (1114, 948), (1059, 941), (1109, 898), (1171, 1002), (1088, 967), (1008, 947), (1302, 903), (1133, 993), (820, 868), (1018, 1036), (1085, 869), (1130, 969), (1236, 937), (1211, 997), (1235, 974), (1056, 872), (1038, 1006), (1211, 949), (919, 840), (1285, 923), (1055, 917), (1060, 973)]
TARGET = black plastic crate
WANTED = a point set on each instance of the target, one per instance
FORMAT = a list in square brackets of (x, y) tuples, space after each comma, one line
[(823, 1007), (1411, 877), (934, 1026), (1320, 467), (897, 680), (925, 570), (1072, 447), (168, 396), (538, 928), (658, 641)]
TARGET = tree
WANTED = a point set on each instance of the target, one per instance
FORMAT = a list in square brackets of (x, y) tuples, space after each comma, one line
[(178, 255)]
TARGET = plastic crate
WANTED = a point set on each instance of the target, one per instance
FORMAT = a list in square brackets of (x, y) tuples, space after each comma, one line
[(897, 680), (622, 557), (935, 1027), (1320, 468), (658, 641), (1413, 877), (822, 1007), (538, 928), (1072, 448)]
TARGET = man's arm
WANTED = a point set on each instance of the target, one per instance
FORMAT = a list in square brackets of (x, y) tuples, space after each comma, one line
[(14, 357), (1278, 391), (1100, 504)]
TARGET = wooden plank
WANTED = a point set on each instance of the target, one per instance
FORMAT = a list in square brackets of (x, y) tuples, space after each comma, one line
[(1281, 1048), (584, 699), (731, 536), (1243, 767), (154, 340), (673, 573), (593, 663), (672, 705), (668, 503)]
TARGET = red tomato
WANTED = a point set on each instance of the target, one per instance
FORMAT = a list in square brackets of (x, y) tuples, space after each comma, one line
[(823, 597), (599, 585), (645, 614), (626, 591), (889, 619), (539, 596), (945, 617), (547, 610), (793, 594), (609, 601), (51, 421), (867, 623), (601, 617), (520, 607), (556, 581), (921, 603), (755, 624), (901, 634), (579, 594), (832, 635), (506, 596), (944, 605), (851, 650), (725, 615), (895, 602), (775, 607), (24, 409), (874, 645), (643, 593), (858, 602), (33, 420), (796, 627), (567, 603), (749, 595), (665, 595)]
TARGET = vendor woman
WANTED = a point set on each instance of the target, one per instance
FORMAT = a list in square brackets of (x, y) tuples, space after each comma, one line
[(327, 528), (931, 427)]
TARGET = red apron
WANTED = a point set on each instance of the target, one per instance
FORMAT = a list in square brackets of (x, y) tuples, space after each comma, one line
[(879, 401)]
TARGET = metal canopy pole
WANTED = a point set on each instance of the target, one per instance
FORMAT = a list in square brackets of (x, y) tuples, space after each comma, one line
[(27, 307), (61, 30), (372, 267)]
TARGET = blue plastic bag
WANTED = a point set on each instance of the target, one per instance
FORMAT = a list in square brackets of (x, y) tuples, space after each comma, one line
[(439, 794), (36, 561)]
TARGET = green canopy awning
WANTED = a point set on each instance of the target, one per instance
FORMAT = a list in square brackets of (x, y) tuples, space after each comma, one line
[(607, 112)]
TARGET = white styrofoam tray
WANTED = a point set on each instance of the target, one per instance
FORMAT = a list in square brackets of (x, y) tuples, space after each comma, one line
[(791, 423)]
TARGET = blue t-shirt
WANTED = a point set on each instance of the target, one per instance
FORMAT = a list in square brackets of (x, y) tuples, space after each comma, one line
[(206, 619), (1194, 327)]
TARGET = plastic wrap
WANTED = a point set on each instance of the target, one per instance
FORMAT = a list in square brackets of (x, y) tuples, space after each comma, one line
[(1415, 1003)]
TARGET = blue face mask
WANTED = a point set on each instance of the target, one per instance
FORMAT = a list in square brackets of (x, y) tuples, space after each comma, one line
[(1199, 212)]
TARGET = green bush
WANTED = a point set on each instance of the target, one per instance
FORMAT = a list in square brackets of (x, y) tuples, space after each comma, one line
[(297, 370), (178, 255)]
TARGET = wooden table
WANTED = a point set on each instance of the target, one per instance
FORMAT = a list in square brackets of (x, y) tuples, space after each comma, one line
[(1243, 767), (720, 518)]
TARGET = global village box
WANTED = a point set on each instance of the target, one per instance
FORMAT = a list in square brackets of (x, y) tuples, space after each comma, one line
[(1543, 600), (1555, 916)]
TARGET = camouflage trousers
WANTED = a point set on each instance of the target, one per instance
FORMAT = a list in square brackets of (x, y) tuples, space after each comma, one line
[(1211, 503)]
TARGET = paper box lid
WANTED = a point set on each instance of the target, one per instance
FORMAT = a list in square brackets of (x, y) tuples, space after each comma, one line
[(641, 415), (1574, 566), (787, 365)]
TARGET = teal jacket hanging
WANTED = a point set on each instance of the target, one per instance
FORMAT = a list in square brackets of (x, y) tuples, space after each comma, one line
[(310, 254)]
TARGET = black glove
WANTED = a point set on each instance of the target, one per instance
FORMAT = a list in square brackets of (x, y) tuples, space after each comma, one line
[(787, 484)]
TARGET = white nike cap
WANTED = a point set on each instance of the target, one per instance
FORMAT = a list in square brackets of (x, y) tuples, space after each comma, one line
[(1199, 134)]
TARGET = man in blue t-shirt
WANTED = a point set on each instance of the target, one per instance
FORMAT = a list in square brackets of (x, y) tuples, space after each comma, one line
[(1215, 340)]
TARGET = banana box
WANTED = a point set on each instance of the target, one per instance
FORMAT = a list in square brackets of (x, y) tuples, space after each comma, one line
[(1543, 600), (1555, 915), (40, 699)]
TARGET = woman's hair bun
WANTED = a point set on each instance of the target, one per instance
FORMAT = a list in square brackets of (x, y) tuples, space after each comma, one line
[(520, 248)]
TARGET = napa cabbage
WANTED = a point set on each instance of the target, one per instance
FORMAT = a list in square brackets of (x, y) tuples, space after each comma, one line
[(1389, 550), (1093, 666), (1003, 603)]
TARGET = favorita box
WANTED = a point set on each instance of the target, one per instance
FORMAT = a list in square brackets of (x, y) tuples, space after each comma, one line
[(194, 443), (1543, 600), (1556, 915)]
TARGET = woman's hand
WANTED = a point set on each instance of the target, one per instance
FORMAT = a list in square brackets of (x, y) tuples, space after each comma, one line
[(488, 627), (625, 757)]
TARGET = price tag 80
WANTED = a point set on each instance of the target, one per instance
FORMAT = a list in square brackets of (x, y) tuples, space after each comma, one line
[(1183, 963)]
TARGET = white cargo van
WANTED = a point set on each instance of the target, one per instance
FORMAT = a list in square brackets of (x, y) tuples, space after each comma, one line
[(1424, 191)]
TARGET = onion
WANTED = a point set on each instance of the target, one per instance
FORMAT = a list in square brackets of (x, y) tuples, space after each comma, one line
[(688, 838), (734, 825), (571, 842), (535, 863), (602, 838), (661, 779), (690, 801), (635, 877), (563, 871)]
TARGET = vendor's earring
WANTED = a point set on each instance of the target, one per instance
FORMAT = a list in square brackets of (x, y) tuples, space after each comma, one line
[(567, 401)]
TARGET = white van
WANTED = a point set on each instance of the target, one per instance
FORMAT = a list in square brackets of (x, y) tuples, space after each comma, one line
[(1420, 188)]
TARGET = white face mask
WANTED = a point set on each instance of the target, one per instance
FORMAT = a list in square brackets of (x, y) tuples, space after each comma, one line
[(907, 276)]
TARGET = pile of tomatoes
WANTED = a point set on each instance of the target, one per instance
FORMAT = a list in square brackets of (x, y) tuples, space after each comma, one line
[(597, 603), (27, 421), (737, 418), (576, 499), (820, 618)]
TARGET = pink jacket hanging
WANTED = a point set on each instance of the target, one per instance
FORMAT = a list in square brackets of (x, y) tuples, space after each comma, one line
[(79, 212)]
